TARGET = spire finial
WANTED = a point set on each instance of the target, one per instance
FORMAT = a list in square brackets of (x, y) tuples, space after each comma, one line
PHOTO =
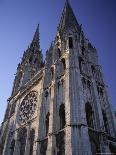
[(36, 37)]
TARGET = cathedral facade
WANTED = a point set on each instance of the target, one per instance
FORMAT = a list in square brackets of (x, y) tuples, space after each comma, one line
[(59, 106)]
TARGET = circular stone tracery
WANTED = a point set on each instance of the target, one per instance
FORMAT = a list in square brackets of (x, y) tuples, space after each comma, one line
[(28, 107)]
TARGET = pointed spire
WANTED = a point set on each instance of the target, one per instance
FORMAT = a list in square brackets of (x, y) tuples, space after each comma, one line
[(36, 38), (68, 18)]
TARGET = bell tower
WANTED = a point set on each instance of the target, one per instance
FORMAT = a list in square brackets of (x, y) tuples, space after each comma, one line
[(31, 63)]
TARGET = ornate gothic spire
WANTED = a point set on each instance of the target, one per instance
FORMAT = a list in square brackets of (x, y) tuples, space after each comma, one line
[(30, 64), (68, 18)]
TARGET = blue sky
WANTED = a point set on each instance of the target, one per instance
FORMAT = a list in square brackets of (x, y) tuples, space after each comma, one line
[(19, 19)]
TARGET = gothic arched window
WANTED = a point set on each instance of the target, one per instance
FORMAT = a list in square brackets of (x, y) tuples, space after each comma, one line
[(62, 116), (12, 147), (32, 137), (52, 73), (59, 52), (89, 115), (70, 42), (80, 64), (30, 60), (60, 143), (93, 70), (63, 64), (22, 135), (47, 123), (43, 147), (105, 121)]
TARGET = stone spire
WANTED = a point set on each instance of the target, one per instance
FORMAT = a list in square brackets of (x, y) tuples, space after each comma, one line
[(31, 63), (68, 18), (36, 38)]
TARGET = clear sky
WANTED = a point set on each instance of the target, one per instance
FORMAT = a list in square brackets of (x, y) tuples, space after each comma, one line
[(19, 19)]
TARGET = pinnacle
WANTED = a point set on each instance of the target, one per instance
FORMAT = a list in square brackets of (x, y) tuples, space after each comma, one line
[(36, 38)]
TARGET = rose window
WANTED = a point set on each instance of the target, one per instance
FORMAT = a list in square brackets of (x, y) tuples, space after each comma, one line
[(28, 107)]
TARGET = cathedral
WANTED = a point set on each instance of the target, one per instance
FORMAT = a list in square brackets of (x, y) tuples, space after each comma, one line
[(60, 105)]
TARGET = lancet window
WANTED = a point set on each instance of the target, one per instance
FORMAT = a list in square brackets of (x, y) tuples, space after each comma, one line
[(60, 143), (89, 115), (70, 43), (47, 123), (62, 116), (106, 125), (43, 147)]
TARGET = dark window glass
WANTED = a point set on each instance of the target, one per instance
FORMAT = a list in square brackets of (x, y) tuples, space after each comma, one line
[(43, 147), (47, 123), (59, 52), (62, 116), (60, 143), (89, 115), (64, 64), (70, 42), (105, 121)]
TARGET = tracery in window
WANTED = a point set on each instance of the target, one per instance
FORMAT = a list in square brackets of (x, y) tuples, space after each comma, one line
[(89, 115), (62, 116), (28, 107)]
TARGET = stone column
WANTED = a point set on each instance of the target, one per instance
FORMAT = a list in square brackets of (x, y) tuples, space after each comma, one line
[(17, 144), (36, 146), (97, 107), (68, 141), (68, 147)]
